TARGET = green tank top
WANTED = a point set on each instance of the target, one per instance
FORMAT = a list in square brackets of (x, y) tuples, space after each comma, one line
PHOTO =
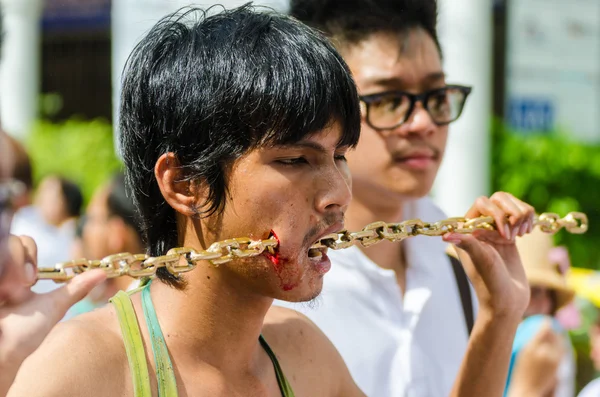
[(136, 355)]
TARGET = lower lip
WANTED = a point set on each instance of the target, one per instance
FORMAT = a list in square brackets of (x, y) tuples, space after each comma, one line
[(417, 163), (323, 265)]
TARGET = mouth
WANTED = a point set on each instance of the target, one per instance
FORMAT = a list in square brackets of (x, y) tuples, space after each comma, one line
[(417, 161), (317, 253), (319, 259)]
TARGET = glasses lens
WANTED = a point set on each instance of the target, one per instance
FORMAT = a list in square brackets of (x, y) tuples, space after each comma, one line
[(446, 105), (388, 111)]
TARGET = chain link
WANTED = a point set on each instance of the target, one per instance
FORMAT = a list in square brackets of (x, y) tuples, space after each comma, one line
[(183, 259)]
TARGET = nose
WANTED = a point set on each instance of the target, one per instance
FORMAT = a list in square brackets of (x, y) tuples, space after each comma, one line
[(419, 122), (334, 189)]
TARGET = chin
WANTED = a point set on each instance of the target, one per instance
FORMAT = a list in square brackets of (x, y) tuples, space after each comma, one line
[(409, 186), (414, 191), (303, 293)]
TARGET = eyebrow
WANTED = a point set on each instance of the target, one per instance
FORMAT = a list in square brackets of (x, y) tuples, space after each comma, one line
[(396, 81), (310, 145)]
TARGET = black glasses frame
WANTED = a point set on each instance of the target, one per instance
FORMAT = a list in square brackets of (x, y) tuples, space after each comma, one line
[(414, 98)]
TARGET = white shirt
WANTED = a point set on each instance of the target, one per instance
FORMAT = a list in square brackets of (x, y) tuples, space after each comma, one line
[(393, 345), (591, 390)]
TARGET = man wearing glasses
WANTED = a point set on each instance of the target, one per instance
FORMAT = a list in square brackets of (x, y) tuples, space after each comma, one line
[(395, 312)]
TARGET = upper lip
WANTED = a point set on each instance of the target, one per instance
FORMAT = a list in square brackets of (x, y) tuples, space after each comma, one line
[(336, 227), (415, 153)]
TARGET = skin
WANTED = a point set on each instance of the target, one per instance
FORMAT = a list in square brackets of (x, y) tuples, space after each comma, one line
[(26, 318), (105, 235), (212, 327), (50, 201), (541, 356), (540, 302)]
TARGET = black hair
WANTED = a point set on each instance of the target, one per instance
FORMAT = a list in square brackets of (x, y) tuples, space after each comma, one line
[(120, 204), (72, 195), (209, 88), (352, 21)]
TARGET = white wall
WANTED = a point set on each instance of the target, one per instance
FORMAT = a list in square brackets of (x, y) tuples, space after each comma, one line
[(465, 31), (20, 65)]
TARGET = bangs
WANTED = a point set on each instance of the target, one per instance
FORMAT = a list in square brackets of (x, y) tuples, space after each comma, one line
[(285, 88)]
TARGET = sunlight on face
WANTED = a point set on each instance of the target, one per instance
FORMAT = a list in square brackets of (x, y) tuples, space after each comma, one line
[(402, 162), (300, 192)]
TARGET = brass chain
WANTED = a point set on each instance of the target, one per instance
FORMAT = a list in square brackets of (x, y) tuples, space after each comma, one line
[(141, 265)]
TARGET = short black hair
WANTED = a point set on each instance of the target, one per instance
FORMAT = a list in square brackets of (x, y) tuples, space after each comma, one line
[(209, 88), (352, 21), (72, 195), (120, 204)]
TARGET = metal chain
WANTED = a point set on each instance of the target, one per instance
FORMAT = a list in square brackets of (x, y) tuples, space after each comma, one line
[(141, 265)]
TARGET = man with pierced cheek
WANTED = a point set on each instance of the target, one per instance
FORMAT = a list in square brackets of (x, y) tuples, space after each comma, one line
[(236, 124)]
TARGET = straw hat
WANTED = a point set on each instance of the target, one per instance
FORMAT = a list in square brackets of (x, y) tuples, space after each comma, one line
[(541, 271)]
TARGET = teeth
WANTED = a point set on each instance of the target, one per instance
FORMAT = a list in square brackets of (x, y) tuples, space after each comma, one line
[(314, 253)]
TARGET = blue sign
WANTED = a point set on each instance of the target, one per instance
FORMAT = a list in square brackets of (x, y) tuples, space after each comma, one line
[(65, 15), (531, 114)]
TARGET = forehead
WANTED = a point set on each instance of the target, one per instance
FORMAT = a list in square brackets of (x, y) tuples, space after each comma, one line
[(409, 61)]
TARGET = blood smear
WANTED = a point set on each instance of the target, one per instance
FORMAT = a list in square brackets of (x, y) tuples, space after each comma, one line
[(278, 264), (275, 258)]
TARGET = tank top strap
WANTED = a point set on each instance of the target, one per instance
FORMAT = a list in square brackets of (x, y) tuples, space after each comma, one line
[(284, 385), (165, 375), (134, 344)]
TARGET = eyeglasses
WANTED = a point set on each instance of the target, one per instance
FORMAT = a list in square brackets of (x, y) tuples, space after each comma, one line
[(8, 190), (390, 109)]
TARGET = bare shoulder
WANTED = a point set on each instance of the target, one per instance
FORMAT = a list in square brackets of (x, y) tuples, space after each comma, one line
[(81, 357), (310, 361)]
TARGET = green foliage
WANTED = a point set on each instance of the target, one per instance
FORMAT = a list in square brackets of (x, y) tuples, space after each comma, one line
[(554, 174), (80, 150)]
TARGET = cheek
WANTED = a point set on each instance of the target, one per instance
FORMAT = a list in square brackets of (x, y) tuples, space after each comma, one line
[(441, 139), (370, 153), (287, 270)]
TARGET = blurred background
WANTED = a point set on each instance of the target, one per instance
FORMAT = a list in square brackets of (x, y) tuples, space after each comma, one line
[(530, 128)]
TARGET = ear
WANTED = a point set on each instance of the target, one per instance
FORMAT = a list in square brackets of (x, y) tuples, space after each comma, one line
[(184, 196)]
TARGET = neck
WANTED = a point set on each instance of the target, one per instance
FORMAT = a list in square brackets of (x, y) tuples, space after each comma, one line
[(214, 320), (385, 254)]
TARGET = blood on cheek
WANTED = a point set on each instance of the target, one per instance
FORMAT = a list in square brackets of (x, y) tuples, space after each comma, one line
[(284, 267)]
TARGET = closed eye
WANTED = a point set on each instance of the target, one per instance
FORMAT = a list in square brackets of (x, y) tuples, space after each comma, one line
[(293, 161), (340, 157)]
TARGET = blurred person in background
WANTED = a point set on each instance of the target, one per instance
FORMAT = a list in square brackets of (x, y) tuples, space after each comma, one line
[(536, 366), (22, 172), (77, 249), (111, 226), (51, 222), (410, 308), (593, 388), (25, 317), (549, 294), (59, 202)]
